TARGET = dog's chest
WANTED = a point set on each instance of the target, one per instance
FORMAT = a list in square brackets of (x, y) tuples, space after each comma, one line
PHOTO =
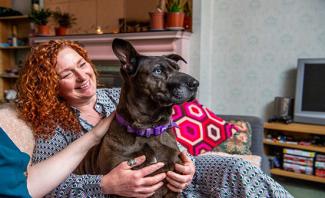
[(118, 141)]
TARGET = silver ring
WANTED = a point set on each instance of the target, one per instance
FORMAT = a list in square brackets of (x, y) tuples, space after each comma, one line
[(131, 162)]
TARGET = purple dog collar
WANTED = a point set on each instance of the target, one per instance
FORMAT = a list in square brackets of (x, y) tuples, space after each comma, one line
[(153, 131)]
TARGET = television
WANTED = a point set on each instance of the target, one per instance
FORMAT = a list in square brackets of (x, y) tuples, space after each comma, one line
[(310, 91)]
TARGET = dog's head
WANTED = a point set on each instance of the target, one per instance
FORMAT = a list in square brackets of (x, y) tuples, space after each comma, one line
[(156, 77)]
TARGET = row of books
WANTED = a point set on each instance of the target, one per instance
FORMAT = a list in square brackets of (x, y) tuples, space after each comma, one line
[(320, 165), (305, 162), (298, 161)]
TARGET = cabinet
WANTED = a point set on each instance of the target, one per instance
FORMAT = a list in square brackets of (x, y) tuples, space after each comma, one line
[(11, 57), (298, 131)]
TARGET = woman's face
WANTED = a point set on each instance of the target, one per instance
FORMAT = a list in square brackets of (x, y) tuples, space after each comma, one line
[(77, 78)]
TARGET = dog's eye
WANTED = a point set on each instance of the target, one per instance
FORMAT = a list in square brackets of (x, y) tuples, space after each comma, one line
[(157, 71)]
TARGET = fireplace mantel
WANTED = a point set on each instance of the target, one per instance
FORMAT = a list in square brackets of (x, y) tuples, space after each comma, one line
[(147, 43)]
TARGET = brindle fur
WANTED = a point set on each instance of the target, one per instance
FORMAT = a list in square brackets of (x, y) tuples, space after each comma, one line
[(146, 101)]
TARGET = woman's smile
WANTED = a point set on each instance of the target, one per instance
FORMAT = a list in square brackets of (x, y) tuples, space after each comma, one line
[(84, 85)]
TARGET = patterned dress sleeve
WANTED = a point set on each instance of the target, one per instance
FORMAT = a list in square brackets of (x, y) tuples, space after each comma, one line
[(74, 185), (107, 100)]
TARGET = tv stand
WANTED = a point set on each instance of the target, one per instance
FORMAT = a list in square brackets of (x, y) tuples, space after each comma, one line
[(296, 130)]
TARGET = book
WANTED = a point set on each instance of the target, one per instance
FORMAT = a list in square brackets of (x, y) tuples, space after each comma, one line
[(306, 163), (298, 168), (320, 157), (299, 152), (298, 158), (320, 172), (320, 165)]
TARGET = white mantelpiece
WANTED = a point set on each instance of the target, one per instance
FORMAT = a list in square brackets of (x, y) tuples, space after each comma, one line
[(147, 43)]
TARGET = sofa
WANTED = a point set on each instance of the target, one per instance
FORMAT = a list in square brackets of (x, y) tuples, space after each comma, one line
[(257, 147), (22, 135)]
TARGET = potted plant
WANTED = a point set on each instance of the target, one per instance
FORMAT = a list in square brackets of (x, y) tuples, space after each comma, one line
[(157, 16), (40, 18), (188, 16), (175, 14), (64, 20)]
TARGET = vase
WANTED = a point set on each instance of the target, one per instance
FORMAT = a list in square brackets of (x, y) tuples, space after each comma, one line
[(188, 23), (60, 31), (175, 20), (156, 20), (43, 30)]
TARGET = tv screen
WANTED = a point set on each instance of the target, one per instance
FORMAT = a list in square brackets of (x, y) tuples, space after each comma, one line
[(310, 91), (313, 92)]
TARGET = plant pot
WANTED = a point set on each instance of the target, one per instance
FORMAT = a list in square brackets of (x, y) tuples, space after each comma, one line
[(60, 31), (43, 30), (175, 20), (188, 23), (156, 20)]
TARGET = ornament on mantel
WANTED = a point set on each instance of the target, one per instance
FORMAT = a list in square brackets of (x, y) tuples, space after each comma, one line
[(99, 30)]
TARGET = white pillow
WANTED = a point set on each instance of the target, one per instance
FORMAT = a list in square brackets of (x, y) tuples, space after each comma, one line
[(16, 129)]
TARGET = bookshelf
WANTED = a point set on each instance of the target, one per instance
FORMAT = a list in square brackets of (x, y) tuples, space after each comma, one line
[(296, 127), (303, 131), (12, 56), (14, 18), (13, 48), (280, 172)]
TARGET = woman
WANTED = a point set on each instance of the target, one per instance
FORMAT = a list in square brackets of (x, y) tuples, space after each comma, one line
[(58, 98), (57, 95), (43, 177)]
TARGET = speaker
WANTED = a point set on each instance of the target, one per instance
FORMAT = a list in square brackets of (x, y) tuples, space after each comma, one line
[(283, 109)]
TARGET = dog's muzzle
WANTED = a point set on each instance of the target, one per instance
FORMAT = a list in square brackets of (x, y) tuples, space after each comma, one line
[(184, 90)]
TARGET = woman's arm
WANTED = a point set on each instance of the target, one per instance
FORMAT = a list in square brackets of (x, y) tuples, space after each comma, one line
[(48, 174)]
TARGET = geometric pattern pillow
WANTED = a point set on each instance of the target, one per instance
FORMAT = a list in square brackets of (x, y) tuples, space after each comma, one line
[(240, 142), (199, 129)]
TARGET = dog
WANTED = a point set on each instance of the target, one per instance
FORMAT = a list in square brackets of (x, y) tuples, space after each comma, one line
[(142, 125)]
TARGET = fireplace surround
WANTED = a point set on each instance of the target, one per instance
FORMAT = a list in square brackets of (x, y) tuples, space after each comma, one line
[(146, 43)]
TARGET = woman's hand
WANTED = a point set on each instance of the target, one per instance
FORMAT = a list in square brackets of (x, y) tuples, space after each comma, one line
[(179, 180), (124, 181), (102, 127)]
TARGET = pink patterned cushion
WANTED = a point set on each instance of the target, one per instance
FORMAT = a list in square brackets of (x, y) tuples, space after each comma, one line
[(200, 130)]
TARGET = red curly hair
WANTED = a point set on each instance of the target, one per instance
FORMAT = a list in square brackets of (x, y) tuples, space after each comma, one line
[(39, 103)]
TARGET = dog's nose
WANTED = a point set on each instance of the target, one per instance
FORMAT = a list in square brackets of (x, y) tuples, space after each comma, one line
[(193, 84)]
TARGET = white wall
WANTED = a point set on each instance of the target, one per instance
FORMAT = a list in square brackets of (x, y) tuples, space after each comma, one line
[(245, 52)]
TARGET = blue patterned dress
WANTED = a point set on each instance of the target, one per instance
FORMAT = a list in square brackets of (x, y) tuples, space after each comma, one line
[(215, 176)]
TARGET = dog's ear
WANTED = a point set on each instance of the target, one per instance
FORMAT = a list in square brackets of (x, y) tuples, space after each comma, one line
[(127, 55), (175, 57)]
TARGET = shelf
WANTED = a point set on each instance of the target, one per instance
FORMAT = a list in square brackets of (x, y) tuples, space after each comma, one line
[(296, 146), (10, 18), (12, 56), (18, 47), (297, 128), (280, 172), (8, 76)]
